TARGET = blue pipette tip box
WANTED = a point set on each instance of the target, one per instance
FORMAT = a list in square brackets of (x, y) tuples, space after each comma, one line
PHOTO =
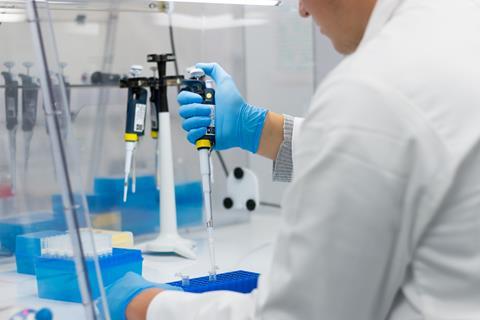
[(28, 246), (238, 281), (57, 277)]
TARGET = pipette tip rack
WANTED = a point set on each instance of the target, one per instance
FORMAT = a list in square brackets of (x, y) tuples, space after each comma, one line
[(238, 281)]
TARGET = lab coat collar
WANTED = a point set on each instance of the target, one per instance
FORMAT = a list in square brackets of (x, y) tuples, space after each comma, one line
[(382, 13)]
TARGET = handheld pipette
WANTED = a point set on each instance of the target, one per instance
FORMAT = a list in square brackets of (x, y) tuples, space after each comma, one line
[(204, 145), (11, 109), (135, 124), (29, 109)]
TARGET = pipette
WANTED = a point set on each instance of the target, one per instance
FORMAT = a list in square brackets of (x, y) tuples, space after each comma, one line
[(154, 89), (135, 123), (68, 86), (204, 145), (64, 114), (29, 109), (154, 114), (11, 109)]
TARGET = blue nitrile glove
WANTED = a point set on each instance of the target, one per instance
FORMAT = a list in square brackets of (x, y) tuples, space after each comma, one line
[(121, 293), (237, 123)]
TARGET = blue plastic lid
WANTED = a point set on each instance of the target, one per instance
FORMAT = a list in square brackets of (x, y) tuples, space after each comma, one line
[(28, 218)]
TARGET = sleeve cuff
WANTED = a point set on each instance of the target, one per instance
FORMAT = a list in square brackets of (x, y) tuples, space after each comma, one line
[(283, 164)]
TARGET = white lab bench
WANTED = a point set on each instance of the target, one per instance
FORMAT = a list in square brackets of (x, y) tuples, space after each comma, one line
[(245, 246)]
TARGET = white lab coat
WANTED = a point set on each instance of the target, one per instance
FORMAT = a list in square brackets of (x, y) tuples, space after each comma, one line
[(383, 216)]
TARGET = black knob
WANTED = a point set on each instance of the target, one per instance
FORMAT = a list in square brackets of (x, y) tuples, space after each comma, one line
[(251, 205), (228, 203), (238, 173)]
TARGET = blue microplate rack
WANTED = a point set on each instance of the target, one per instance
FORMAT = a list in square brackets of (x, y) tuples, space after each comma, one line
[(238, 281)]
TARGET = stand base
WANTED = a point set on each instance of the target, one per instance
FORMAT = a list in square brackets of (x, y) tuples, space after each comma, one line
[(171, 243)]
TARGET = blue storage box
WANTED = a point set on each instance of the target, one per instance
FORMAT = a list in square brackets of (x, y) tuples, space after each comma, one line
[(114, 186), (238, 281), (11, 227), (140, 214), (98, 206), (96, 203), (28, 246), (189, 200), (57, 278)]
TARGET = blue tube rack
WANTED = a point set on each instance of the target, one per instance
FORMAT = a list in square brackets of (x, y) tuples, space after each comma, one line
[(57, 277), (238, 281)]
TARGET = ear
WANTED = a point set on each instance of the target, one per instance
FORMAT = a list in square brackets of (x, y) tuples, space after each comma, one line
[(302, 10)]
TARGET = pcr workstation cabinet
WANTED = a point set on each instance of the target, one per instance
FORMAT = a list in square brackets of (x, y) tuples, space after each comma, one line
[(97, 178)]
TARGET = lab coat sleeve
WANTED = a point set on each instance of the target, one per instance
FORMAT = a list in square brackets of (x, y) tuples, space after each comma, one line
[(217, 305), (297, 125)]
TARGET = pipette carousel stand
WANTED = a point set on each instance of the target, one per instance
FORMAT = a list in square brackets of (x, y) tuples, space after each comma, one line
[(168, 241)]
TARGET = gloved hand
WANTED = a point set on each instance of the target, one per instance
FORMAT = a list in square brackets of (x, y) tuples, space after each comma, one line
[(124, 290), (237, 123)]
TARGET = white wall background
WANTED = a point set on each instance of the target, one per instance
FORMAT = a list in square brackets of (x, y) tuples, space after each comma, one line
[(285, 60)]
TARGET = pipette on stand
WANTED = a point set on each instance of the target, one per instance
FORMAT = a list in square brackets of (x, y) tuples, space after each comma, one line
[(11, 109), (204, 145), (29, 109), (68, 86), (64, 116), (135, 123), (154, 116)]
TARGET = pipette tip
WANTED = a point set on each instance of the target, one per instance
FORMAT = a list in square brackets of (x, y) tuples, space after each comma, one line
[(212, 276), (125, 191)]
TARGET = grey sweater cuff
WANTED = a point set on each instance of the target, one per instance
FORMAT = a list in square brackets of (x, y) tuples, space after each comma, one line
[(283, 164)]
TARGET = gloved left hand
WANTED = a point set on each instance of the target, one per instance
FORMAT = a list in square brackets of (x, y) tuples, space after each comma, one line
[(124, 290)]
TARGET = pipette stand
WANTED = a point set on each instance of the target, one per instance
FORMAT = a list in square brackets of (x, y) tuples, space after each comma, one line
[(168, 241)]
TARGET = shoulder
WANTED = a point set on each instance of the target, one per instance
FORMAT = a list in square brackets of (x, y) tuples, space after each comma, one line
[(371, 121), (360, 102)]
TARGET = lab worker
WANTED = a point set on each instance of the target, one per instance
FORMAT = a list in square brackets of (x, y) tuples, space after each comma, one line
[(382, 219)]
